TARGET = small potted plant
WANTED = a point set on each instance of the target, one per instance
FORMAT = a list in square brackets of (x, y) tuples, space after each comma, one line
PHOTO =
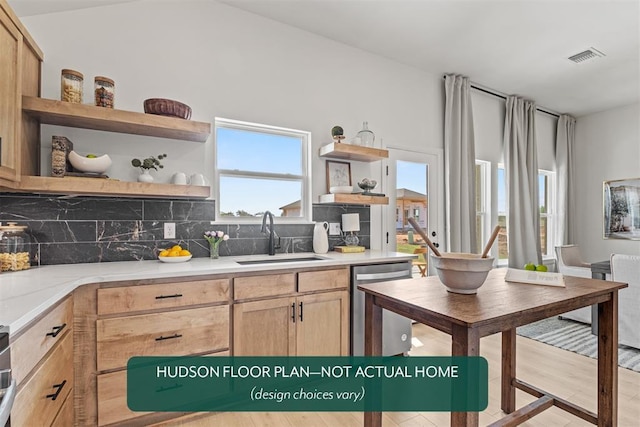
[(146, 165)]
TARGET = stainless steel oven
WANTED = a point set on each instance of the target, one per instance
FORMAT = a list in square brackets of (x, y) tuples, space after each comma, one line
[(7, 384)]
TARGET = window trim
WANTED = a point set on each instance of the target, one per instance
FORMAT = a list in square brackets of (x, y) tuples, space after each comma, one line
[(485, 200), (304, 178), (550, 215)]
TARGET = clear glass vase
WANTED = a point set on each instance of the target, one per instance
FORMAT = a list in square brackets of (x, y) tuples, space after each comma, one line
[(214, 250), (365, 136)]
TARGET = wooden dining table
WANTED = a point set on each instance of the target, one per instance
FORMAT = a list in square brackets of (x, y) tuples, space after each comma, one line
[(501, 306)]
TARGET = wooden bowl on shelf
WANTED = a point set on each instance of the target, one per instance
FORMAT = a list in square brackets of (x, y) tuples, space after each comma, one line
[(167, 107)]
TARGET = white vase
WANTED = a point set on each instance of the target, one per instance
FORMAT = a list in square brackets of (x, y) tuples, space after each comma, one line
[(145, 176), (320, 238)]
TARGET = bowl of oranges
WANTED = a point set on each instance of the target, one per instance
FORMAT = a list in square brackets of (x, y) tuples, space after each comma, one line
[(174, 254)]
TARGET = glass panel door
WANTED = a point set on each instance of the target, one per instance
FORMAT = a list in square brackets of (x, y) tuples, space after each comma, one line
[(413, 193)]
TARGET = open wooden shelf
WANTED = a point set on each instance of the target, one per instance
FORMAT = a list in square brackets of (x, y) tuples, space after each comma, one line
[(359, 153), (49, 111), (108, 187), (354, 199)]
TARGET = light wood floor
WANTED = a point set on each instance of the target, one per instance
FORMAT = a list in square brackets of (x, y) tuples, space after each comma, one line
[(563, 373)]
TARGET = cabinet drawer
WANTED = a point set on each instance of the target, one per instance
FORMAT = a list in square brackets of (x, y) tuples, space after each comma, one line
[(40, 399), (173, 333), (309, 281), (167, 295), (31, 346), (264, 286), (112, 397), (65, 416)]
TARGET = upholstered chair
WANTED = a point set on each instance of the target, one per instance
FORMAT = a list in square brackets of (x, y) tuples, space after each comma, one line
[(626, 268)]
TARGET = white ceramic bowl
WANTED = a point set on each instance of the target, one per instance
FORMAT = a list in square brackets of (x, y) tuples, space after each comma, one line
[(175, 258), (91, 165), (462, 273), (342, 189)]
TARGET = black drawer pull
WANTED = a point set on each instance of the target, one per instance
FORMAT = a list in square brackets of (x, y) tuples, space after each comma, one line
[(301, 312), (56, 331), (59, 387), (161, 338), (168, 296), (293, 312)]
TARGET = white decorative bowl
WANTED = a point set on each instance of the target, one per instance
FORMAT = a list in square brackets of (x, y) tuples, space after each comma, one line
[(462, 273), (175, 258), (91, 165), (341, 189)]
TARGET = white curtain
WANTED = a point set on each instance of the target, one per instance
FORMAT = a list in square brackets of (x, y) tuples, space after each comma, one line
[(521, 168), (459, 158), (565, 168)]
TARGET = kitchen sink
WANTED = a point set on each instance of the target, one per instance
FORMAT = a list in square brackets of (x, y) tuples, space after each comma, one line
[(279, 260)]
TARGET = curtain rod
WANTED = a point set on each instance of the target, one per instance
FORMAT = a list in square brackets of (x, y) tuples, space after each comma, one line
[(498, 95)]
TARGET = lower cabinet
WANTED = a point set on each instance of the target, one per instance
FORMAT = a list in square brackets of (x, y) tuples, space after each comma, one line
[(41, 398), (42, 362), (312, 323)]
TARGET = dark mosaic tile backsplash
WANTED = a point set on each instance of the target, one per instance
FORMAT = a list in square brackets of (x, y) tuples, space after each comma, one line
[(90, 229)]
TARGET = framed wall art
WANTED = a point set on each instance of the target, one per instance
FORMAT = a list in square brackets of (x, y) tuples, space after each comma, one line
[(338, 174), (621, 201)]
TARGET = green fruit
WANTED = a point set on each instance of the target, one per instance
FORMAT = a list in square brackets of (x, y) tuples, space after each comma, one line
[(542, 268), (530, 267), (91, 156)]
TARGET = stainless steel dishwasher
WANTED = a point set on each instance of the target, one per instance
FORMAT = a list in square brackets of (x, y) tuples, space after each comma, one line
[(396, 329)]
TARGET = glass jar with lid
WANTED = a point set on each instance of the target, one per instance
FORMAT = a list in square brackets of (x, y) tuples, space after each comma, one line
[(14, 247), (104, 91), (71, 86)]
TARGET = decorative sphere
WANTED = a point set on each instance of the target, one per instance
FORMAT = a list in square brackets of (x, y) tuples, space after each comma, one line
[(337, 131)]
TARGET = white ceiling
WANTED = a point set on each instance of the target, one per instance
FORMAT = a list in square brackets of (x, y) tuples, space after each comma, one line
[(514, 47)]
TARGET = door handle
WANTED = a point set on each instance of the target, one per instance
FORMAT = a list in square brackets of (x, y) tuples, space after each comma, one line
[(293, 312), (301, 311), (168, 296)]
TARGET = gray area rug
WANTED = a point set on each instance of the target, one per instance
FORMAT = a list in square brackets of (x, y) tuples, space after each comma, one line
[(576, 337)]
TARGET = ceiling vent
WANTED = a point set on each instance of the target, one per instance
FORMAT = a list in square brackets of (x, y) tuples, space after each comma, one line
[(590, 53)]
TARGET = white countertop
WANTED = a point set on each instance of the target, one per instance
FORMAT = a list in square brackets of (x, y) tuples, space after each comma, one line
[(26, 294)]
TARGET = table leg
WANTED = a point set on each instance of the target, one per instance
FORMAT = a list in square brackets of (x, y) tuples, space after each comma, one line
[(608, 361), (594, 307), (465, 342), (372, 347), (508, 397)]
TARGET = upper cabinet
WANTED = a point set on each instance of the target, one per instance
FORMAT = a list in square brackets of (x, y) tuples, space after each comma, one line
[(19, 73), (336, 150)]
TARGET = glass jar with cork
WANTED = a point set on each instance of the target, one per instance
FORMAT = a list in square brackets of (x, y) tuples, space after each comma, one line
[(71, 86), (104, 92), (14, 247)]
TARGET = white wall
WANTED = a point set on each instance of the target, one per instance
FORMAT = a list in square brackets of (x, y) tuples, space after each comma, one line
[(229, 63), (607, 148)]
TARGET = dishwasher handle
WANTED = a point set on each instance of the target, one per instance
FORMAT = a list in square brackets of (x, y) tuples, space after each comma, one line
[(361, 277), (7, 402)]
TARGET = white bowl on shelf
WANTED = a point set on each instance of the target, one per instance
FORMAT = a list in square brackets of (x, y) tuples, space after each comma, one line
[(341, 189), (175, 258), (90, 164)]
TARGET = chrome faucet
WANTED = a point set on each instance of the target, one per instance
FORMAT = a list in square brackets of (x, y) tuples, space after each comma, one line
[(272, 233)]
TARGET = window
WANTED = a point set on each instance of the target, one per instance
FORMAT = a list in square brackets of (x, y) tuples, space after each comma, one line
[(483, 203), (260, 168), (546, 208), (546, 186)]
